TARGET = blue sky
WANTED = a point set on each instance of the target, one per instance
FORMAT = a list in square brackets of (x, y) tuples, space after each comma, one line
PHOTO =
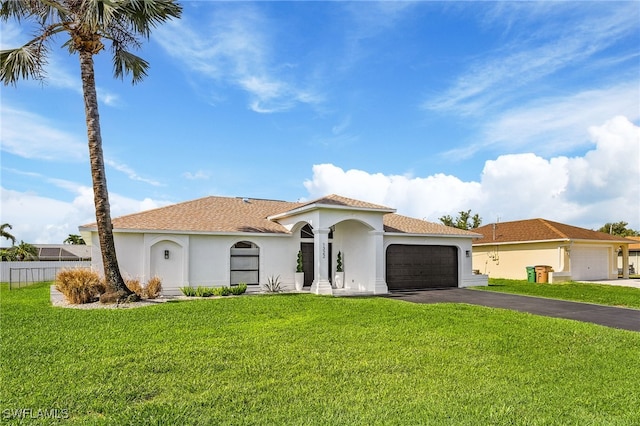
[(514, 110)]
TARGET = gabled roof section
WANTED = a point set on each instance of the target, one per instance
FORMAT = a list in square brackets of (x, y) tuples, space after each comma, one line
[(395, 223), (333, 201), (337, 200), (531, 230), (209, 214)]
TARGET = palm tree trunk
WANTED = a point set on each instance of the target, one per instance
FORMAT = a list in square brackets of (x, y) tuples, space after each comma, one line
[(100, 194)]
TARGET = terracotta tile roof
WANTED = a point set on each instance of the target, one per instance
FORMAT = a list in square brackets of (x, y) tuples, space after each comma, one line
[(404, 224), (634, 246), (538, 230), (227, 214)]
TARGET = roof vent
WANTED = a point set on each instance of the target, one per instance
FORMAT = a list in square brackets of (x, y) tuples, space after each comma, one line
[(245, 199)]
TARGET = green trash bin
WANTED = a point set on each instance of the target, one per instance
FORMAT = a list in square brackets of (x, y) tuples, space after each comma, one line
[(531, 274)]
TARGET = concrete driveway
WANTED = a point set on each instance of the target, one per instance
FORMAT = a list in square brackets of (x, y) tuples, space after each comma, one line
[(623, 318), (625, 282)]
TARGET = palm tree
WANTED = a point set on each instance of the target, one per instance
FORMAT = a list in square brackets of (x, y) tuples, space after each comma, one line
[(6, 234), (25, 251), (87, 23), (74, 239)]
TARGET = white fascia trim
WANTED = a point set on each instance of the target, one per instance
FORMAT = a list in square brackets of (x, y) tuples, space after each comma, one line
[(177, 231), (403, 234), (311, 207), (524, 242)]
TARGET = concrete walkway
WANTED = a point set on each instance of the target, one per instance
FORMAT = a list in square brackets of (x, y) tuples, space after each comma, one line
[(623, 318), (624, 282)]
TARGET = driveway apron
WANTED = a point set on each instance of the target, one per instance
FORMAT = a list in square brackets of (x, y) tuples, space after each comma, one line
[(623, 318)]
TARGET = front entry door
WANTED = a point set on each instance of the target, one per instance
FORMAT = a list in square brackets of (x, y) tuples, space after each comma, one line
[(308, 262)]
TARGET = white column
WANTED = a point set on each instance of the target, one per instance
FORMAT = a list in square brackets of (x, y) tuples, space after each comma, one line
[(625, 260), (380, 286), (321, 283)]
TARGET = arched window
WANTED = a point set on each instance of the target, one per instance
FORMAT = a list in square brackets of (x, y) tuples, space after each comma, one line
[(307, 232), (245, 263)]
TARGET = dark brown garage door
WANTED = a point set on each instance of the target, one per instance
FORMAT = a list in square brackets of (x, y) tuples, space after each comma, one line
[(415, 267)]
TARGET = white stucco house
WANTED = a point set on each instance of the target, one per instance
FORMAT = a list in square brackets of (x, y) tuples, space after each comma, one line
[(216, 241)]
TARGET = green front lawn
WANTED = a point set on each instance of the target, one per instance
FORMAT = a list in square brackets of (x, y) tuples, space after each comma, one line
[(303, 359), (581, 292)]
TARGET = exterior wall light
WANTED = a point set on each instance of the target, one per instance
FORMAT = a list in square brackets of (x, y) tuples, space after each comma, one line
[(166, 254)]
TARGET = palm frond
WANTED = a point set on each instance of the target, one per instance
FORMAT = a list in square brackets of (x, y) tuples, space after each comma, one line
[(24, 62), (144, 15), (44, 11), (15, 9), (125, 62)]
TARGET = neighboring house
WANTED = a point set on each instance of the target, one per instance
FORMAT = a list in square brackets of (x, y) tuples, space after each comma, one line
[(507, 248), (51, 259), (634, 257), (63, 252), (217, 241)]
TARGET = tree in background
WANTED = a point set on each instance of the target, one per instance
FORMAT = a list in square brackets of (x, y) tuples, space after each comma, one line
[(464, 220), (619, 228), (75, 239), (6, 234), (87, 23), (25, 251), (21, 252)]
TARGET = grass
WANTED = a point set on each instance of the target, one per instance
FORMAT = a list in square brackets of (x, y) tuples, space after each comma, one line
[(304, 359), (580, 292)]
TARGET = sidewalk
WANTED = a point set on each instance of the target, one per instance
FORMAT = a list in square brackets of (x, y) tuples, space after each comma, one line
[(625, 282), (610, 316)]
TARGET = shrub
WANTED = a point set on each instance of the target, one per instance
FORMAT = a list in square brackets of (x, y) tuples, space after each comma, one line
[(79, 285), (273, 284), (204, 291), (239, 289), (153, 288), (188, 291), (221, 291), (135, 286)]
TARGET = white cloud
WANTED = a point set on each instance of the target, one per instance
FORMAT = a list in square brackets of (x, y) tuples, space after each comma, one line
[(11, 36), (132, 174), (429, 197), (42, 140), (612, 169), (561, 123), (199, 175), (502, 76), (588, 191), (237, 51), (554, 125), (40, 219)]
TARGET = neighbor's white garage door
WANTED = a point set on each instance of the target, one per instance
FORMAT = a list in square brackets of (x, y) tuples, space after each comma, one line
[(590, 263)]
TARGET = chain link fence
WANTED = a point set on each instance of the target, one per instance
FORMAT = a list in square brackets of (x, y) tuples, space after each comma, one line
[(23, 275)]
